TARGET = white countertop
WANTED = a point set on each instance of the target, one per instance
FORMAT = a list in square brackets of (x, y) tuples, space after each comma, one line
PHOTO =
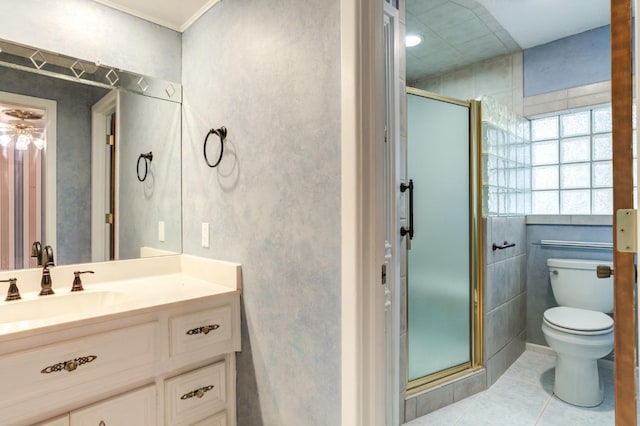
[(115, 290)]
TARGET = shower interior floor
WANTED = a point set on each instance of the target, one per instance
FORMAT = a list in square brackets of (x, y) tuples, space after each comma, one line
[(524, 396)]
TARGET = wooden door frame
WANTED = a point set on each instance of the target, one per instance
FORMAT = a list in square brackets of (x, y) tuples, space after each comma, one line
[(624, 369)]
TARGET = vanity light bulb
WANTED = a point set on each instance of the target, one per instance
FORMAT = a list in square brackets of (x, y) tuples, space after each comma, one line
[(5, 140), (22, 144), (38, 143)]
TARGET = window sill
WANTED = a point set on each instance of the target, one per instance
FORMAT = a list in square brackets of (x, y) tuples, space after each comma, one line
[(589, 220)]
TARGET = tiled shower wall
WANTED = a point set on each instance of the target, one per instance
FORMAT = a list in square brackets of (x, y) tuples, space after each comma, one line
[(505, 294), (500, 77)]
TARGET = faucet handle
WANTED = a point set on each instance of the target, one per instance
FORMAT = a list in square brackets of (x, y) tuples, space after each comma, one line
[(77, 283), (13, 293)]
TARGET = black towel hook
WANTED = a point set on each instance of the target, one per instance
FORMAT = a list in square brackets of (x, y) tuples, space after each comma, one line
[(148, 157), (222, 134)]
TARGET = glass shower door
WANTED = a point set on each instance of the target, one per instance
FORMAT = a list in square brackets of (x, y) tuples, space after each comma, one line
[(439, 259)]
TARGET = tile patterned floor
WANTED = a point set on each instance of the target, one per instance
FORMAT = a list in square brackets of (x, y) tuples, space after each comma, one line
[(523, 396)]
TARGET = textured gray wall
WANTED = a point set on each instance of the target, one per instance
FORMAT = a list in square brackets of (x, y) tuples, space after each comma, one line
[(540, 295), (91, 31), (149, 124), (270, 72), (505, 294), (73, 156)]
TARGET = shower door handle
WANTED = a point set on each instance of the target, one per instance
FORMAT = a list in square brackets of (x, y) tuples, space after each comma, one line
[(410, 230)]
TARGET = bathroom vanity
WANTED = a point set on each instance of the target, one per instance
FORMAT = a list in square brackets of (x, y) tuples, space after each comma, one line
[(149, 341)]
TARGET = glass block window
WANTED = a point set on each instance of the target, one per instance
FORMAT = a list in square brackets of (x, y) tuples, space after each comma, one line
[(571, 162), (506, 157)]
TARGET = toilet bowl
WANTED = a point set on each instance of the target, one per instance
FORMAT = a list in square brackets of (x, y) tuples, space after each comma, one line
[(579, 331)]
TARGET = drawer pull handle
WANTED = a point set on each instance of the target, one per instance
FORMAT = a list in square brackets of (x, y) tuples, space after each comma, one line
[(198, 393), (205, 329), (70, 365), (102, 423)]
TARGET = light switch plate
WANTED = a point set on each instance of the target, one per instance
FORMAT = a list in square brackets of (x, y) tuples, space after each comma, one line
[(205, 235)]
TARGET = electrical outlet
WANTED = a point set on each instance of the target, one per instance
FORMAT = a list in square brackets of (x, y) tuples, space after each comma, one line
[(161, 230), (205, 235)]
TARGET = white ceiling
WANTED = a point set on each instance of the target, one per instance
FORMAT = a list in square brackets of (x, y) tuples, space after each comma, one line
[(535, 22), (174, 14), (457, 33)]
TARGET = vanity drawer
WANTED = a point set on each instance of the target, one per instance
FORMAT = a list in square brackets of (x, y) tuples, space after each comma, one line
[(134, 408), (194, 396), (219, 419), (107, 357), (209, 331)]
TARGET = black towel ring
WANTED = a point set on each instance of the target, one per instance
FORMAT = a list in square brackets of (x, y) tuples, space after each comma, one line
[(222, 134), (148, 157)]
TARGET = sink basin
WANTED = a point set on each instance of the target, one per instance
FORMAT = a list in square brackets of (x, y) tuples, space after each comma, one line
[(55, 305)]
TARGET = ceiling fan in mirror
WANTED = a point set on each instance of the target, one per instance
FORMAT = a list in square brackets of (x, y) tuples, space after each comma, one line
[(24, 131)]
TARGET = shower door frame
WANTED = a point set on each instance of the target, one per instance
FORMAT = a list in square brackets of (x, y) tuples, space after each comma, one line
[(476, 253)]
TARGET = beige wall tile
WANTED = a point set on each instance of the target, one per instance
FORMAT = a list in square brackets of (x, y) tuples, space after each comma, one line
[(545, 98), (493, 75), (517, 71), (433, 84), (594, 99), (589, 89), (458, 84), (558, 105)]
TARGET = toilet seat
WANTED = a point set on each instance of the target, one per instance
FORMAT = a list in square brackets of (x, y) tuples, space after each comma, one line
[(578, 321)]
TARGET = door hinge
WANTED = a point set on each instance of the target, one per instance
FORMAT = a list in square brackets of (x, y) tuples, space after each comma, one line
[(108, 218), (626, 231), (110, 139), (384, 274)]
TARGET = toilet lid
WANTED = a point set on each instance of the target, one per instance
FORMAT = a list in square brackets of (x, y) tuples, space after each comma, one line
[(578, 319)]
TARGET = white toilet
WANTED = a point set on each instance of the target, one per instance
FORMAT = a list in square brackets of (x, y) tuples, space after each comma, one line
[(578, 330)]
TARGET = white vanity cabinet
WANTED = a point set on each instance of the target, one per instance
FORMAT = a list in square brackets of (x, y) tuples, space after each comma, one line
[(133, 408), (167, 364)]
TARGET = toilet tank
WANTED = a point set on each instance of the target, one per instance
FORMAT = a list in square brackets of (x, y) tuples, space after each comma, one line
[(575, 284)]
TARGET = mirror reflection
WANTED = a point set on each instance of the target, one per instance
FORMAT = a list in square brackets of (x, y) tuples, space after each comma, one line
[(68, 170)]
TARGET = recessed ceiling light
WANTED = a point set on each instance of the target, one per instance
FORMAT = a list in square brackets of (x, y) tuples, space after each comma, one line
[(412, 40)]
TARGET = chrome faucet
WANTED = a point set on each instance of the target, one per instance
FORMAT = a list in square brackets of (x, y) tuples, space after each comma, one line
[(47, 260)]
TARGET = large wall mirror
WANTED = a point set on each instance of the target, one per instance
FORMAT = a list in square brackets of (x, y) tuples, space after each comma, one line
[(90, 160)]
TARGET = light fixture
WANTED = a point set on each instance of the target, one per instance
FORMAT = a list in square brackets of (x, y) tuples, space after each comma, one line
[(22, 143), (22, 131), (38, 142), (412, 40)]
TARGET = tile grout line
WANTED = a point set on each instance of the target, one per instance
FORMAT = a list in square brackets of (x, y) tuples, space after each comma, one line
[(464, 412), (546, 405)]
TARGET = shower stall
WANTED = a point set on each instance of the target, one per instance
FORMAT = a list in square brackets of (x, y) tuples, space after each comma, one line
[(465, 160), (444, 280)]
